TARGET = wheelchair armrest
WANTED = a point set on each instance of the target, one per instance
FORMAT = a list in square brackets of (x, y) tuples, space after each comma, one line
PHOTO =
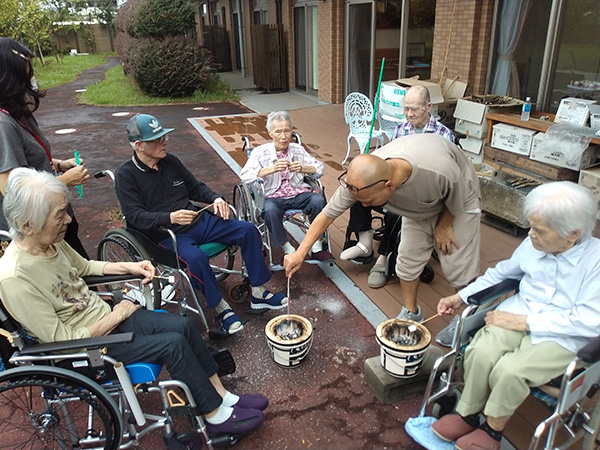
[(75, 344), (590, 353), (98, 280), (493, 292)]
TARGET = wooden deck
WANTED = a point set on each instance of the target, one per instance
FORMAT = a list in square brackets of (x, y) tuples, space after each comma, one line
[(324, 132)]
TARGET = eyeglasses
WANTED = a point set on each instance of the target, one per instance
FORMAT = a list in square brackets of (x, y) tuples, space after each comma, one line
[(160, 140), (353, 189)]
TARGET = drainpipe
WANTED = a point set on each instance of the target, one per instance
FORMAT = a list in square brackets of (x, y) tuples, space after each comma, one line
[(241, 43)]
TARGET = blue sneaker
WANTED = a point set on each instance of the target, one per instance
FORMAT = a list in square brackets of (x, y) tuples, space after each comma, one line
[(269, 301)]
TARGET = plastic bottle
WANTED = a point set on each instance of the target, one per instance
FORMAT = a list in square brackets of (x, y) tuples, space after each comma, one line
[(526, 110)]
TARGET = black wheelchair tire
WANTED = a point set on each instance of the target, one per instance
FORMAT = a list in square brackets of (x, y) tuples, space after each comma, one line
[(427, 275), (28, 396)]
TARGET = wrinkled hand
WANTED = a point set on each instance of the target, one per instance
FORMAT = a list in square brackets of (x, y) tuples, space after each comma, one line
[(183, 217), (125, 308), (506, 320), (67, 164), (449, 305), (221, 208), (75, 176), (444, 239), (280, 165), (143, 268), (291, 263), (295, 166)]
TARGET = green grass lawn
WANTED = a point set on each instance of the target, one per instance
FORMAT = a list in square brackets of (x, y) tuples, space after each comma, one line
[(64, 70), (117, 89)]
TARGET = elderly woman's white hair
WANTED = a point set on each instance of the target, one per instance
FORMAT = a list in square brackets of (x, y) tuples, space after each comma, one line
[(278, 116), (27, 199), (565, 206)]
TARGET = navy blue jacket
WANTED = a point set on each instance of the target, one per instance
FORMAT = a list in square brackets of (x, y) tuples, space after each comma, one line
[(148, 196)]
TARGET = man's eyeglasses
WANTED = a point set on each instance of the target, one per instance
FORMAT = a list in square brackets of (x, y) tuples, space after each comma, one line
[(353, 189), (160, 140)]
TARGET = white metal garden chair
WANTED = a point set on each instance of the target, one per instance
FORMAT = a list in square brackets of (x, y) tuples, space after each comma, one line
[(358, 113)]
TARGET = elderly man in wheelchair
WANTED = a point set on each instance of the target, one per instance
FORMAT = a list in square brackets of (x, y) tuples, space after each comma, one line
[(283, 165), (156, 191), (41, 287), (531, 337)]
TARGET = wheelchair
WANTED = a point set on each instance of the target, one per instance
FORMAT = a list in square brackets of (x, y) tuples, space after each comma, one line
[(572, 398), (128, 244), (57, 396), (249, 202)]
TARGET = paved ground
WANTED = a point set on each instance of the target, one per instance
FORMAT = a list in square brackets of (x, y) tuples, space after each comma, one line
[(323, 404)]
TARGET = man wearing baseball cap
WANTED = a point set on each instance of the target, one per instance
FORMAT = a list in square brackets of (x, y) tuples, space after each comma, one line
[(156, 191)]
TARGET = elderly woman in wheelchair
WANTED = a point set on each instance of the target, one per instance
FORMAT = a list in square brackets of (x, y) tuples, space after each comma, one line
[(283, 164), (531, 337), (41, 287)]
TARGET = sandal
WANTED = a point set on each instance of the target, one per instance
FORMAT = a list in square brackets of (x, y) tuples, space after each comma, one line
[(228, 318)]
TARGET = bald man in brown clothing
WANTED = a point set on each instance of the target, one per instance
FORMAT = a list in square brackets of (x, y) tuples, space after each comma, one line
[(428, 181)]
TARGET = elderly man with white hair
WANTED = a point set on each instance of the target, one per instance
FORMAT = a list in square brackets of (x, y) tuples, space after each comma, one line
[(282, 164), (531, 337)]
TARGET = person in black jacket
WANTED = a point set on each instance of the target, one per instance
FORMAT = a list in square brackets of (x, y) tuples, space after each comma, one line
[(156, 192)]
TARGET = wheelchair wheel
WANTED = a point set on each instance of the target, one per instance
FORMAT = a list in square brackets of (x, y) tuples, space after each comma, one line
[(427, 275), (119, 246), (591, 439), (50, 409), (240, 292), (225, 259), (445, 405)]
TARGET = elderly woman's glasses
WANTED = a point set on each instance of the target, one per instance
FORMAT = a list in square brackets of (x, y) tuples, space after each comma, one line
[(353, 189)]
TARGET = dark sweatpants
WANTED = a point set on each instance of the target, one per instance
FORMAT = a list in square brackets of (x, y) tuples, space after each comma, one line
[(174, 341)]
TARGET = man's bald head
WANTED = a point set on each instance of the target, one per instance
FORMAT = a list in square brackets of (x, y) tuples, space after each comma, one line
[(418, 95), (367, 169)]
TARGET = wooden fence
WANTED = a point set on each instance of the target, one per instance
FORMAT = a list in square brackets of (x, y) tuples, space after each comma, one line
[(217, 42), (269, 58)]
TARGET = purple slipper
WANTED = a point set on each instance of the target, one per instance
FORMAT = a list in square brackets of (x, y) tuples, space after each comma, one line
[(242, 421), (252, 401)]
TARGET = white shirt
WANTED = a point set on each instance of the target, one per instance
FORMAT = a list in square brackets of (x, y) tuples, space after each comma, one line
[(265, 156), (560, 295)]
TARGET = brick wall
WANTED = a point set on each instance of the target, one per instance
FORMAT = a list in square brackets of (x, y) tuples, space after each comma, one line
[(461, 41), (330, 16)]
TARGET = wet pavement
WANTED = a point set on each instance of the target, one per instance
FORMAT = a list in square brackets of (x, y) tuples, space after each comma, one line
[(322, 404)]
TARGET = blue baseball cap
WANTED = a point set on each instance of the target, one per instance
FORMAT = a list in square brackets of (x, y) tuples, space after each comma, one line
[(144, 127)]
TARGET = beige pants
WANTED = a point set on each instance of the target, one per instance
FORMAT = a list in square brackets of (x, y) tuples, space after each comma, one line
[(416, 245), (500, 367)]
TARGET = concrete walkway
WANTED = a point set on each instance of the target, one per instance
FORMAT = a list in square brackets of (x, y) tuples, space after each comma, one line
[(261, 102)]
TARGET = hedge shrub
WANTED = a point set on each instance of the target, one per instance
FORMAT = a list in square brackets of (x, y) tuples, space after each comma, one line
[(155, 41), (174, 66)]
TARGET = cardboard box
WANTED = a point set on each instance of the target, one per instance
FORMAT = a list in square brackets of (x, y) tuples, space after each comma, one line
[(557, 158), (391, 101), (512, 139), (435, 91), (470, 115), (472, 145), (590, 178), (574, 110), (595, 117), (452, 90)]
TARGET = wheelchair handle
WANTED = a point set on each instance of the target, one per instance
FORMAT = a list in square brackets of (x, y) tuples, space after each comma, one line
[(494, 291), (590, 353), (104, 173)]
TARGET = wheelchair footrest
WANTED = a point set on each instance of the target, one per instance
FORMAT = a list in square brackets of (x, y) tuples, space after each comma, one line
[(225, 361)]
